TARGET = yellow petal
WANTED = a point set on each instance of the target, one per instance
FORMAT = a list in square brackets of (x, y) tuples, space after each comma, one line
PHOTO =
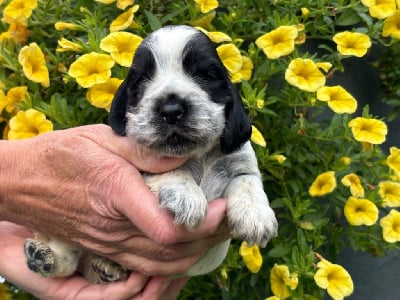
[(257, 137)]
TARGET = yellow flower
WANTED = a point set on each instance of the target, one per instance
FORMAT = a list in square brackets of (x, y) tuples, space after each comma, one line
[(257, 137), (245, 71), (4, 292), (324, 184), (281, 281), (224, 273), (324, 66), (346, 160), (66, 45), (34, 65), (390, 193), (3, 101), (393, 160), (101, 95), (14, 96), (391, 26), (216, 36), (105, 1), (360, 212), (207, 5), (122, 4), (380, 9), (279, 158), (18, 11), (204, 21), (305, 11), (260, 103), (272, 298), (124, 20), (17, 31), (92, 68), (230, 57), (278, 42), (251, 257), (368, 130), (301, 39), (65, 25), (29, 123), (354, 183), (391, 226), (339, 100), (121, 46), (352, 43), (335, 279), (305, 75)]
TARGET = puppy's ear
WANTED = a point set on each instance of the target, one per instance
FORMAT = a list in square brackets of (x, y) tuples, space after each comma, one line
[(237, 129), (117, 117), (131, 89)]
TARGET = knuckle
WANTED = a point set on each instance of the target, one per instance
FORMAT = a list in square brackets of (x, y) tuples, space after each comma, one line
[(165, 234), (149, 269), (168, 254)]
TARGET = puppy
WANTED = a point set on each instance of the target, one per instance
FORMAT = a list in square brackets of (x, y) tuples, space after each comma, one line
[(178, 100)]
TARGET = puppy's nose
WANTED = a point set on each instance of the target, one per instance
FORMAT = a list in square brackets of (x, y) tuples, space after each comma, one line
[(172, 111)]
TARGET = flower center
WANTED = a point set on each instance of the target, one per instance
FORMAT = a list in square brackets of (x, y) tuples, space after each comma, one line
[(396, 226)]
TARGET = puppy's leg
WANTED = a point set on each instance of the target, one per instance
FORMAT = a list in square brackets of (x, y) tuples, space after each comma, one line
[(97, 269), (181, 195), (50, 257), (249, 215)]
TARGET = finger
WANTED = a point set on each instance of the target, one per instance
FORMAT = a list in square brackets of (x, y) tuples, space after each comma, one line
[(157, 223), (216, 213), (155, 288), (162, 288), (126, 289), (136, 154), (80, 289), (174, 288), (150, 267)]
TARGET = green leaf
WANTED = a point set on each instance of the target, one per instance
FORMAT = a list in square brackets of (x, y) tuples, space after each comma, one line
[(154, 22), (280, 251), (347, 18)]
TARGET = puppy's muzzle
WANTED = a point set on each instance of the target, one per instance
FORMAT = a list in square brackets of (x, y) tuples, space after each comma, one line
[(172, 109)]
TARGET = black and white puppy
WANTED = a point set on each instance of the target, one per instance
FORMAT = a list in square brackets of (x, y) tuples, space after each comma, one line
[(179, 101)]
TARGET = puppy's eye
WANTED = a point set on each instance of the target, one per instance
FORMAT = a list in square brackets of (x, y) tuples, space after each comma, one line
[(208, 73)]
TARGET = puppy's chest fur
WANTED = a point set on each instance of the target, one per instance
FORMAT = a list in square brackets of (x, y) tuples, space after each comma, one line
[(214, 171)]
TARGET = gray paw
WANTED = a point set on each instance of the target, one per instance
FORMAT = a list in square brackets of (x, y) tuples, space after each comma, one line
[(185, 201), (108, 271), (40, 257), (255, 226)]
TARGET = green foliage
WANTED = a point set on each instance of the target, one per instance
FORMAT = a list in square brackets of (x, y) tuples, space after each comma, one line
[(293, 122)]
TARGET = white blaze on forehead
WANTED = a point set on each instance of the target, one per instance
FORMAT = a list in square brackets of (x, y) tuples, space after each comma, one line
[(167, 45)]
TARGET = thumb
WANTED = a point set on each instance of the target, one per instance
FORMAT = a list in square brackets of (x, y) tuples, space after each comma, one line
[(142, 158)]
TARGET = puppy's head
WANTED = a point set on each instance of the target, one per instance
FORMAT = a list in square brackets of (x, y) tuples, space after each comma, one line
[(177, 98)]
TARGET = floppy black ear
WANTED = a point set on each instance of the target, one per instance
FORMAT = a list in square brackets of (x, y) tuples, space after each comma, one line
[(237, 129), (117, 117), (131, 89)]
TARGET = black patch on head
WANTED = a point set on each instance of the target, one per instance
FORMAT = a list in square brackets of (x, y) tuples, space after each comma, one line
[(202, 63), (132, 88)]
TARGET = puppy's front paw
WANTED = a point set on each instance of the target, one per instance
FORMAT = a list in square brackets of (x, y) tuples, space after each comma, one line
[(40, 257), (107, 271), (253, 224), (186, 202)]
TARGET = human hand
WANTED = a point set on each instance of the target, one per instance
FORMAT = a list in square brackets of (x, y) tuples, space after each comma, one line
[(83, 185), (14, 269)]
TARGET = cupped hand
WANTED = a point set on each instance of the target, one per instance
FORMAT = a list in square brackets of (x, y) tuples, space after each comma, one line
[(14, 269), (84, 185)]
